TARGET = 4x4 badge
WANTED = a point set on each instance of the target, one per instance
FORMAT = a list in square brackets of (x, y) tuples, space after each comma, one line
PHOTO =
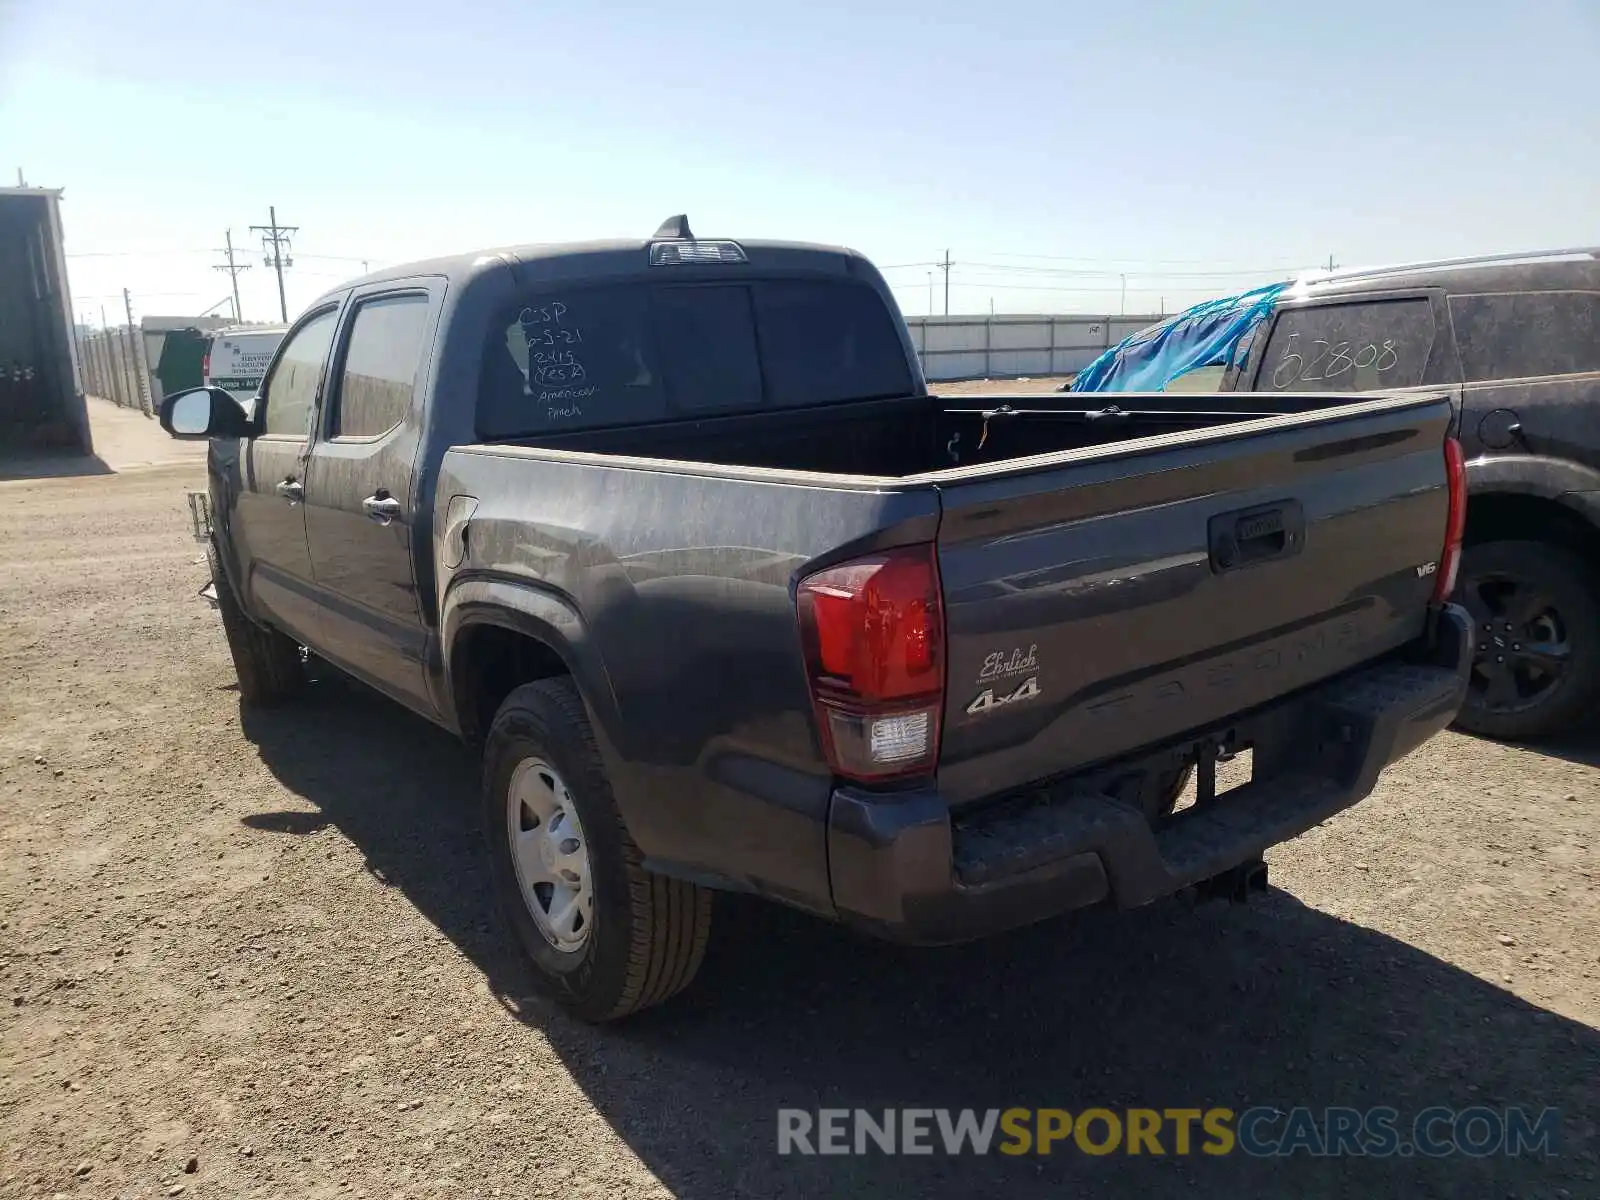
[(986, 700)]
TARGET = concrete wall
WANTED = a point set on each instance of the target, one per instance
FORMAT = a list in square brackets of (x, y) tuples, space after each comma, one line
[(1006, 346)]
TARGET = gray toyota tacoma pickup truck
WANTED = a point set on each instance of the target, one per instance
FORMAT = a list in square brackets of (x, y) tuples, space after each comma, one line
[(674, 530)]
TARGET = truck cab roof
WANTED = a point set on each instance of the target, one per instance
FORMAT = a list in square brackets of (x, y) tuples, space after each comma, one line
[(537, 262)]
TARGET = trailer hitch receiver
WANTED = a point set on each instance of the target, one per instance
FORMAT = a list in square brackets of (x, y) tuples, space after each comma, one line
[(1236, 884)]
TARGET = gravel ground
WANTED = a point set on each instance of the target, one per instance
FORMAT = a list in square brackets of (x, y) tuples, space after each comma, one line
[(251, 955)]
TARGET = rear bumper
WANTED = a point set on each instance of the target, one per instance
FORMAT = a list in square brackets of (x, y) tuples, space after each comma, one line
[(903, 868)]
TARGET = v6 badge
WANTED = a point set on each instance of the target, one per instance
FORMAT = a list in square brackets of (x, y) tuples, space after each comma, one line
[(987, 701)]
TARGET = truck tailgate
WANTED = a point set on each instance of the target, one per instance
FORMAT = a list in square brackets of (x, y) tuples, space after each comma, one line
[(1107, 599)]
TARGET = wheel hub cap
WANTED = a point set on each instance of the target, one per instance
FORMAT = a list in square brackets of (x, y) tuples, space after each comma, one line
[(1520, 643), (551, 855)]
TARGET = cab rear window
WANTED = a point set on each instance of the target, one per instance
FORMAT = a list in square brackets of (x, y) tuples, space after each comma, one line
[(636, 354)]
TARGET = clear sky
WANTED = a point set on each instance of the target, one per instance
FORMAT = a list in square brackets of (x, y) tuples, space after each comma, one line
[(1053, 147)]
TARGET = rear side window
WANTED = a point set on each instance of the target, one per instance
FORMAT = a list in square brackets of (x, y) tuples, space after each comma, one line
[(1348, 347), (1520, 334), (635, 354), (380, 366)]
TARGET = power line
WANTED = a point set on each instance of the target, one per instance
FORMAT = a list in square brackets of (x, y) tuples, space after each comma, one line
[(1151, 283), (275, 241), (146, 295), (1039, 287), (233, 270), (1076, 272), (1179, 262), (133, 253)]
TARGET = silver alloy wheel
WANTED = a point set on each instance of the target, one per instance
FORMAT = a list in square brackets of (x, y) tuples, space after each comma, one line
[(551, 855)]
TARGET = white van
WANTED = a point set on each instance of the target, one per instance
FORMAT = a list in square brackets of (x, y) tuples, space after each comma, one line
[(237, 358)]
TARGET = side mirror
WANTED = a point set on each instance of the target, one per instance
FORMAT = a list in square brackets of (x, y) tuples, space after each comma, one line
[(205, 412)]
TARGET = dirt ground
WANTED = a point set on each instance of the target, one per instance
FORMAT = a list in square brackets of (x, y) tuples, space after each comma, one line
[(252, 955), (998, 387)]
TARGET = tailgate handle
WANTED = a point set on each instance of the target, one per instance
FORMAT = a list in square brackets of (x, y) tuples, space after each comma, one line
[(1256, 535)]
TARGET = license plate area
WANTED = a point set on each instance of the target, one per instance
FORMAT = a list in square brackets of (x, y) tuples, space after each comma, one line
[(200, 515)]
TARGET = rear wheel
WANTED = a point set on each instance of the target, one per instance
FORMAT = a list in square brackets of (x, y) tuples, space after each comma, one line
[(605, 937), (268, 663), (1536, 639)]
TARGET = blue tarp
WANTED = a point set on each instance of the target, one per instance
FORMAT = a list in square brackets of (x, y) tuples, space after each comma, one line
[(1207, 335)]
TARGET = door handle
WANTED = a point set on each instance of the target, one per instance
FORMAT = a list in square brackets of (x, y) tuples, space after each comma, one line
[(381, 507), (1256, 535), (291, 490)]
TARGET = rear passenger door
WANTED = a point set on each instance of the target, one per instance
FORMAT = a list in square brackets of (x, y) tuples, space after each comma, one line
[(360, 494)]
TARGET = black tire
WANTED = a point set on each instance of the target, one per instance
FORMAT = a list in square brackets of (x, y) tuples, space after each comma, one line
[(648, 933), (268, 663), (1536, 639)]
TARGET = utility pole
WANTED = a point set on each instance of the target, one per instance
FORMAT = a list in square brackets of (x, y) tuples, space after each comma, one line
[(133, 356), (80, 347), (930, 293), (103, 345), (233, 270), (945, 267), (94, 356), (1124, 308), (275, 241), (1330, 264), (111, 362)]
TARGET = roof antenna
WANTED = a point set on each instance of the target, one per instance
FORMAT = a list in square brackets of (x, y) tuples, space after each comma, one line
[(675, 227)]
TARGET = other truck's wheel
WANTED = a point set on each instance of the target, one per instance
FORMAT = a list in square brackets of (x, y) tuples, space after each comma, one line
[(606, 937), (268, 663), (1536, 639)]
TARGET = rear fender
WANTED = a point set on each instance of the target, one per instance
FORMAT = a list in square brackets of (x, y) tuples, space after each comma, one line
[(536, 613)]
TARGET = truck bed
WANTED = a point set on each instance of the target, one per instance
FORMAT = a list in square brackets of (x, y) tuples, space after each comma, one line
[(912, 435), (1148, 584)]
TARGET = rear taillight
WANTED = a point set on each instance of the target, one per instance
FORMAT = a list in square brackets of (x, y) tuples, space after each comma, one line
[(205, 365), (1455, 469), (873, 633)]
